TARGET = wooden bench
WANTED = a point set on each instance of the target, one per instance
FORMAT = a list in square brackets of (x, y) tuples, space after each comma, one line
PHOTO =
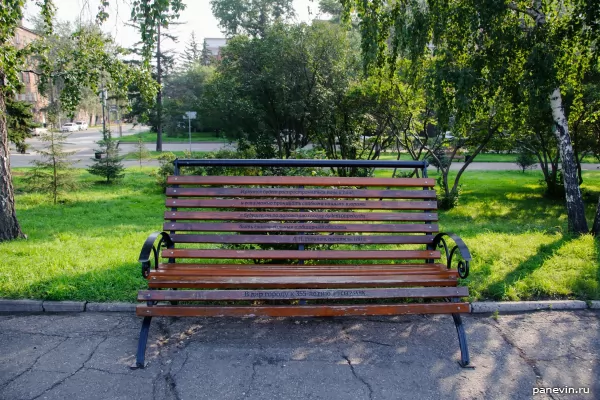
[(283, 246)]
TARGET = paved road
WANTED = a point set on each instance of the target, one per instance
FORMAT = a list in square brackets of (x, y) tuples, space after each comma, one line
[(86, 356)]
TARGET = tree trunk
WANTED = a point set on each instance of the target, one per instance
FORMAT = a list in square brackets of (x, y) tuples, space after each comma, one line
[(159, 94), (596, 227), (575, 209), (9, 226)]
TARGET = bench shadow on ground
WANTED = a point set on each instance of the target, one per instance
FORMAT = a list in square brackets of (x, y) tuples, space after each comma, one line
[(403, 357)]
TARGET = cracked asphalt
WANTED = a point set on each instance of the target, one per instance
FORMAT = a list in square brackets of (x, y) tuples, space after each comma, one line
[(87, 356)]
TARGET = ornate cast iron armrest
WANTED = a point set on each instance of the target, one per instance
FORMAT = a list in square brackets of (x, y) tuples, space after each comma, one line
[(463, 265), (149, 250)]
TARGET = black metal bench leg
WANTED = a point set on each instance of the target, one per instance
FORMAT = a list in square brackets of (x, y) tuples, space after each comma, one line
[(462, 342), (141, 352)]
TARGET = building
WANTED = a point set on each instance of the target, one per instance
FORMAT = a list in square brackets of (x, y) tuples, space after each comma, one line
[(30, 92), (214, 45)]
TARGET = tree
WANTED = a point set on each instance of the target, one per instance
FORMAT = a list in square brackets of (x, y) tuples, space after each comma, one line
[(206, 57), (183, 91), (525, 160), (88, 62), (109, 164), (19, 120), (250, 17), (192, 54), (54, 174), (164, 63), (549, 42), (141, 152)]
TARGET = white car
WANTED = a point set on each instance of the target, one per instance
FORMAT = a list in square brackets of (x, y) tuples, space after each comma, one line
[(82, 126), (69, 127)]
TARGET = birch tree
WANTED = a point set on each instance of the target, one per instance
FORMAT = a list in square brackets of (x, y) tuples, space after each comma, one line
[(552, 42)]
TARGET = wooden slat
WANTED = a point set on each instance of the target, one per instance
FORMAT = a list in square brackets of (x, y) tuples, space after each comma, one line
[(290, 227), (299, 282), (300, 180), (165, 273), (303, 255), (310, 204), (300, 216), (300, 193), (303, 239), (310, 294), (302, 311), (318, 267)]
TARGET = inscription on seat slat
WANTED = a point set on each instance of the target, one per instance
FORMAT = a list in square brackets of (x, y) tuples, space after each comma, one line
[(306, 239), (270, 227), (300, 181), (300, 216), (319, 193), (303, 254), (296, 204), (309, 294)]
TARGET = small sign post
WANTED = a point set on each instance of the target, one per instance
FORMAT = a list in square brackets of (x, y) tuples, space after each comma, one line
[(190, 115)]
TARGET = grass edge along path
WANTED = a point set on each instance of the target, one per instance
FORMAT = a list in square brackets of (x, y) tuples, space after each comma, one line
[(150, 137), (87, 247)]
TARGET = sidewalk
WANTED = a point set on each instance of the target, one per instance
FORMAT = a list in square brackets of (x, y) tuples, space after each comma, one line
[(86, 356)]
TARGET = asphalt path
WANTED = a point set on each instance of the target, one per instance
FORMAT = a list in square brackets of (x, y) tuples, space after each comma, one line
[(87, 356), (83, 143)]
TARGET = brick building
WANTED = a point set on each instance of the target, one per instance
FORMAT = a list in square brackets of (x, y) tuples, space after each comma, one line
[(30, 92), (214, 45)]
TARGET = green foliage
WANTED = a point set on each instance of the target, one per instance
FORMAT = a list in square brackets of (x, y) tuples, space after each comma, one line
[(441, 159), (20, 123), (525, 160), (109, 165), (192, 54), (54, 173), (447, 199), (250, 17), (183, 91), (165, 168), (286, 88), (150, 17), (141, 152)]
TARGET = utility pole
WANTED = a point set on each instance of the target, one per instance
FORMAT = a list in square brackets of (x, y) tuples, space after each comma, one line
[(159, 94), (103, 113)]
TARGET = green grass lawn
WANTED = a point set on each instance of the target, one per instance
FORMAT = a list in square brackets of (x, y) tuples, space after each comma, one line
[(150, 137), (87, 247), (155, 154)]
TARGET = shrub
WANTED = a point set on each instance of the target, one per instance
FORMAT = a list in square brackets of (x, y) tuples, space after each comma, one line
[(525, 160)]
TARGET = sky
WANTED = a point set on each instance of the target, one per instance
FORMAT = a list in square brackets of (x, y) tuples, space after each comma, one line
[(197, 17)]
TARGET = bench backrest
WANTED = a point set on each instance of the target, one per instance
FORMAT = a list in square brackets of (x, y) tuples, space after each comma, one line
[(301, 218)]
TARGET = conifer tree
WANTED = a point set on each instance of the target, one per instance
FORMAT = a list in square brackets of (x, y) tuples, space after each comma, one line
[(54, 173), (206, 56), (109, 165), (192, 53), (141, 152)]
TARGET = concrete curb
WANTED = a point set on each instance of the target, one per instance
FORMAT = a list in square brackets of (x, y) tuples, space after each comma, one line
[(478, 307), (520, 306), (110, 307), (21, 306), (64, 306)]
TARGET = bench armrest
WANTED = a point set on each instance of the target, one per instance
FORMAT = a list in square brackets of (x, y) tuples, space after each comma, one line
[(463, 265), (150, 250)]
